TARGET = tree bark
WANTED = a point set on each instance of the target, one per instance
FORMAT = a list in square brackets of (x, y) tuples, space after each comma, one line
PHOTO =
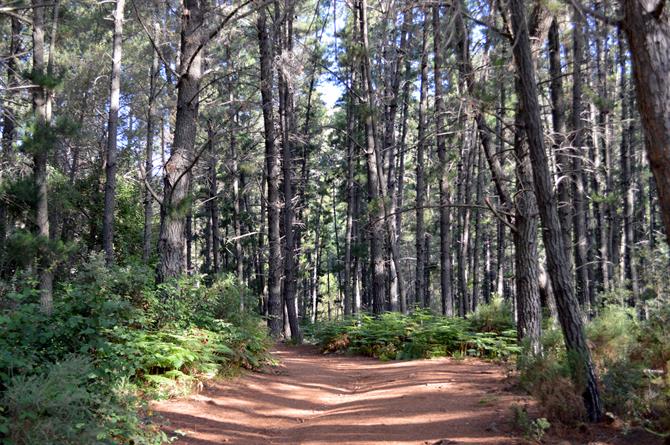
[(647, 26), (446, 291), (419, 290), (582, 267), (558, 121), (112, 126), (275, 311), (9, 130), (149, 153), (559, 270), (375, 198), (40, 105), (629, 266), (288, 136), (177, 178)]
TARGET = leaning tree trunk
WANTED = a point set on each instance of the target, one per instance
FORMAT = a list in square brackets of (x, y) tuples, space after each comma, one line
[(177, 176), (647, 26), (275, 311), (559, 267), (112, 125)]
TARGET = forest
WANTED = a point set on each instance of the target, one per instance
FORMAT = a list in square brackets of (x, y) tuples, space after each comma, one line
[(239, 221)]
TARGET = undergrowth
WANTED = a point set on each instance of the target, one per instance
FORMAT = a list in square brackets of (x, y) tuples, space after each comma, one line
[(631, 358), (76, 377), (420, 334)]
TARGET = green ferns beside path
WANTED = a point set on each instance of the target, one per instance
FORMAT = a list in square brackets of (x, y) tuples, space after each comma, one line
[(420, 334)]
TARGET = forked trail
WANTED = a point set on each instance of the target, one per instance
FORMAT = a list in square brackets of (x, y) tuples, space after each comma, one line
[(333, 399)]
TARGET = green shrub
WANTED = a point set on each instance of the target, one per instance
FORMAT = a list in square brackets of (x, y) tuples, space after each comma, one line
[(613, 334), (496, 316), (547, 379), (112, 336), (51, 407), (420, 334)]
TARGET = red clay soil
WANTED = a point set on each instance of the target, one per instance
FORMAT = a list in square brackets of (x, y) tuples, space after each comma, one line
[(311, 398)]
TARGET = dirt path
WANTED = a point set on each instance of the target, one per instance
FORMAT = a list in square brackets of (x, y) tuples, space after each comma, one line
[(315, 399)]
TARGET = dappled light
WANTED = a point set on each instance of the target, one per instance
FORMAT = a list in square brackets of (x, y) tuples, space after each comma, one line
[(334, 222)]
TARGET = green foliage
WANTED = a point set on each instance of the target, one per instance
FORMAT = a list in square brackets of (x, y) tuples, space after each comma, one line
[(613, 334), (548, 379), (533, 429), (78, 372), (496, 317), (632, 358), (421, 334)]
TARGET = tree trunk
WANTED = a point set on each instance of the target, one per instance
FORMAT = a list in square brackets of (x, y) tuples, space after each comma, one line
[(582, 266), (390, 149), (288, 136), (112, 125), (273, 172), (177, 178), (9, 130), (629, 267), (559, 269), (647, 26), (529, 316), (419, 290), (375, 198), (212, 207), (446, 291), (558, 121), (41, 109), (149, 153), (349, 230)]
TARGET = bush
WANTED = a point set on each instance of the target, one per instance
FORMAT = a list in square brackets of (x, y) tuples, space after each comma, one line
[(547, 379), (613, 334), (496, 316), (112, 336), (419, 335), (53, 406)]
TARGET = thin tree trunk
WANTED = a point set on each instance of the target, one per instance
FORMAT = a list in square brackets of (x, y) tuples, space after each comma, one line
[(582, 267), (558, 121), (390, 149), (375, 198), (212, 215), (289, 130), (112, 126), (40, 108), (446, 291), (629, 267), (149, 153), (349, 230), (9, 129), (419, 290), (273, 172)]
